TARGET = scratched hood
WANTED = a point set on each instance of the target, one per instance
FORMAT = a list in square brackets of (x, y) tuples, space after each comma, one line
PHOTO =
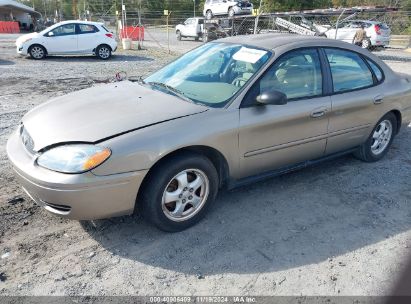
[(102, 111)]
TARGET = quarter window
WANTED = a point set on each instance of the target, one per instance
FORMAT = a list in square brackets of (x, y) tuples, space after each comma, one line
[(376, 69), (297, 74), (349, 72)]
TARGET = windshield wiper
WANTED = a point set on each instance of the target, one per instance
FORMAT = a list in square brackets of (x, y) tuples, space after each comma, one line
[(174, 91)]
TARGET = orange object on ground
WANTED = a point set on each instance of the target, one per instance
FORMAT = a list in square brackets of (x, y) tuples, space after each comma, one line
[(10, 27), (132, 32)]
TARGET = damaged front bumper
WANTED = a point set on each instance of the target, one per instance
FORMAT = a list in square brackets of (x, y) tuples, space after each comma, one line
[(83, 196)]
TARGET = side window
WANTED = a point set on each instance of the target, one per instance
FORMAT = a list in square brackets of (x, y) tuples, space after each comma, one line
[(348, 70), (297, 74), (67, 29), (87, 28), (376, 69)]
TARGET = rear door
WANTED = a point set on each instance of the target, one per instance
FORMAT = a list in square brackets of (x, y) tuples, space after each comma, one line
[(87, 37), (62, 39), (356, 104), (276, 136)]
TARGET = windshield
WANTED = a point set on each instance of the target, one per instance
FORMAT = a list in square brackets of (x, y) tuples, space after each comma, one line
[(211, 74)]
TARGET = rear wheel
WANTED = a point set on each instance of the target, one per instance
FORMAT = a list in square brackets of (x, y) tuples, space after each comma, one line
[(231, 12), (380, 140), (178, 34), (37, 52), (366, 44), (103, 52), (179, 191)]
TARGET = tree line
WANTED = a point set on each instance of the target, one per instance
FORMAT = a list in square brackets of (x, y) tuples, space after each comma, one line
[(67, 9)]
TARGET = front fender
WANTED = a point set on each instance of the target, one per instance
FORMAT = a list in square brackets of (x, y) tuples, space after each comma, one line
[(141, 149)]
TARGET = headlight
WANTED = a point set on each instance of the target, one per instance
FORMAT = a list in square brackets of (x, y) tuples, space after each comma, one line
[(23, 40), (76, 158)]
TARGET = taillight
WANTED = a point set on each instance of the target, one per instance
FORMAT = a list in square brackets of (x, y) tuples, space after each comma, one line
[(377, 29), (109, 35)]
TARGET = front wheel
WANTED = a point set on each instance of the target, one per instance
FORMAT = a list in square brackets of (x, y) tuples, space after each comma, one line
[(37, 52), (380, 140), (178, 35), (103, 52), (231, 12), (179, 191)]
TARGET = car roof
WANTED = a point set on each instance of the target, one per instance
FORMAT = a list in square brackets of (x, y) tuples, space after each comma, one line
[(80, 22), (366, 21), (274, 40)]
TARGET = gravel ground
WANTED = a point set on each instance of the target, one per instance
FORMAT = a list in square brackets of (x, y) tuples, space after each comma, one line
[(340, 228)]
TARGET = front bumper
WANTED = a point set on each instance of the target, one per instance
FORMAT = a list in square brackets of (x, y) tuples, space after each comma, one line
[(22, 50), (76, 196)]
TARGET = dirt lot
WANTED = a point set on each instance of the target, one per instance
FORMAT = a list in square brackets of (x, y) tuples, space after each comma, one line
[(340, 228)]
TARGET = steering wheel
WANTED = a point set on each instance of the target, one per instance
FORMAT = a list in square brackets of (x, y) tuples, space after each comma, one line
[(239, 81)]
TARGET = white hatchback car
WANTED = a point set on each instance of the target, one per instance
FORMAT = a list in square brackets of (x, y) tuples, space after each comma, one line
[(69, 38), (378, 33), (224, 7)]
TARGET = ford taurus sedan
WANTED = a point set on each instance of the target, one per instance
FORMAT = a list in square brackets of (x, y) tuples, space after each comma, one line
[(225, 114)]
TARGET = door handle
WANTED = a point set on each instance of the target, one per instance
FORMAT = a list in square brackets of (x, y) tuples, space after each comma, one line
[(318, 113), (378, 100)]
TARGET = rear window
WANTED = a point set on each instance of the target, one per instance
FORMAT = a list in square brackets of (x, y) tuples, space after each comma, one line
[(87, 28), (383, 26)]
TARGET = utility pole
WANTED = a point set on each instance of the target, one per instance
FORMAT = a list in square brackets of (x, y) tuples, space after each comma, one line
[(194, 7)]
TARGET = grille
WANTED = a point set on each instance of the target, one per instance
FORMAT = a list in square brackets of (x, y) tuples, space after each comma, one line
[(62, 208)]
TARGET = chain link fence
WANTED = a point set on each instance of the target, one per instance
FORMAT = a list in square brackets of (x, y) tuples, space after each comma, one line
[(160, 31)]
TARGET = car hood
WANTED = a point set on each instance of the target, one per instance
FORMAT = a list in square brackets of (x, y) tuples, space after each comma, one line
[(24, 38), (101, 112)]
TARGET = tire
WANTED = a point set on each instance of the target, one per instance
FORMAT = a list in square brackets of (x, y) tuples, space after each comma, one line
[(175, 176), (178, 34), (37, 52), (381, 143), (209, 15), (366, 44), (103, 52), (231, 12)]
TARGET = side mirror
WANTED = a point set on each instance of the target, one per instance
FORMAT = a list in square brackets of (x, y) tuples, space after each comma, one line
[(272, 97), (50, 34)]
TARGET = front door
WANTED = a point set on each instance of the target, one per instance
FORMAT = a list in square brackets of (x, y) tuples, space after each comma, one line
[(276, 136), (62, 39), (190, 28)]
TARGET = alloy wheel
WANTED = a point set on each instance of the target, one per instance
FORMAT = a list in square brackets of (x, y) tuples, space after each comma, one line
[(104, 52), (381, 137), (185, 195), (37, 52)]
